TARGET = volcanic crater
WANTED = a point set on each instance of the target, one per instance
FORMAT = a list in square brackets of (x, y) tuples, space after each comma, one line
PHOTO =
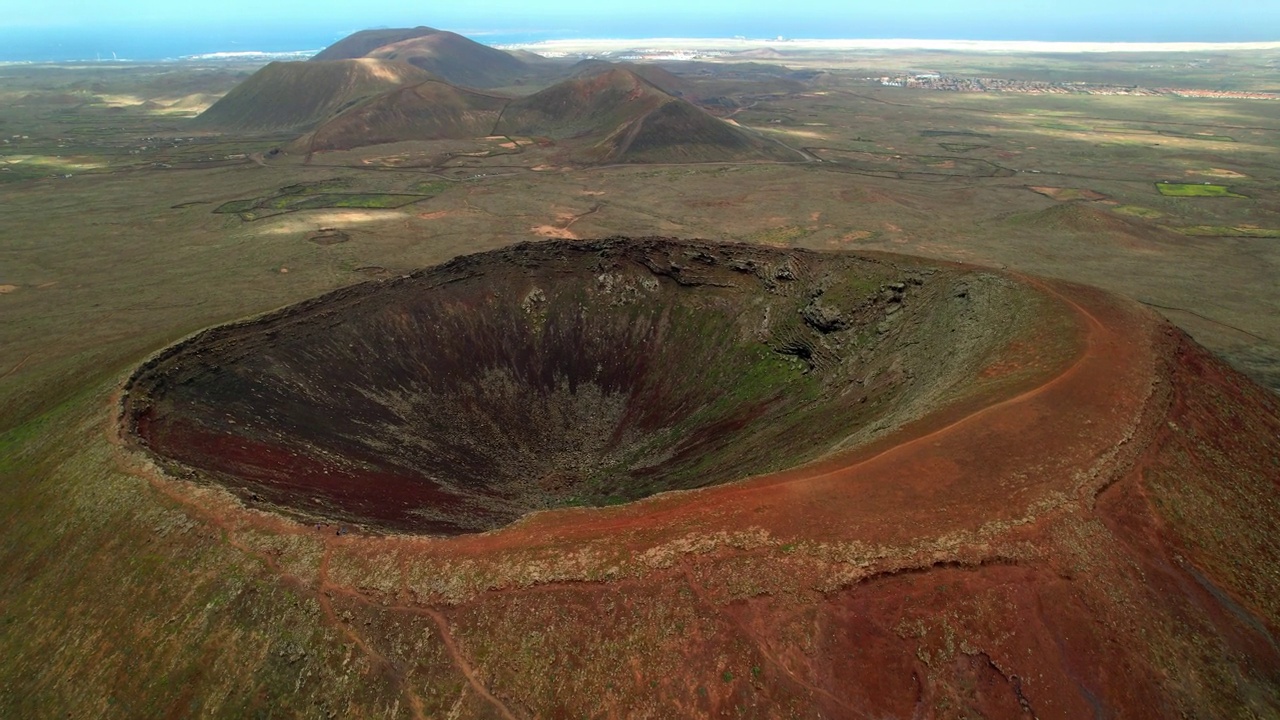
[(463, 397)]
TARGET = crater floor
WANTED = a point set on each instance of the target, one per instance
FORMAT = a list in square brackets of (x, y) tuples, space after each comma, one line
[(463, 397)]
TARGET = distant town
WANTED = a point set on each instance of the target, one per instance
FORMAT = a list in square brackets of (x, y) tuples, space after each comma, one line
[(951, 83)]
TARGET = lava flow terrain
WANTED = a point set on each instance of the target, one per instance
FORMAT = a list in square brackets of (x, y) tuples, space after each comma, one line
[(655, 477)]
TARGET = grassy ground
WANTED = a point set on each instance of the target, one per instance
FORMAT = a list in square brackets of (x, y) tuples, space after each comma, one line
[(1196, 190)]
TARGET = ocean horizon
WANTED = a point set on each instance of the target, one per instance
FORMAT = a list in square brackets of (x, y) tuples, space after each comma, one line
[(106, 45)]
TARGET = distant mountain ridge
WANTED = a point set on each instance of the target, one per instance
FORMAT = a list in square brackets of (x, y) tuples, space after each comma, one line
[(410, 85), (446, 55), (360, 44), (457, 59), (656, 75), (622, 117), (583, 104)]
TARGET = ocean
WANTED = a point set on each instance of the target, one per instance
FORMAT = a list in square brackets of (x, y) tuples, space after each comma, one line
[(154, 44)]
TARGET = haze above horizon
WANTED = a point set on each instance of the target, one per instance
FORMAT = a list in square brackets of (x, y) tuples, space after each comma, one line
[(155, 29)]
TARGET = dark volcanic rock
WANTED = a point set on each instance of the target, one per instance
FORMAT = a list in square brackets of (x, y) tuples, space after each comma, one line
[(546, 375), (824, 318)]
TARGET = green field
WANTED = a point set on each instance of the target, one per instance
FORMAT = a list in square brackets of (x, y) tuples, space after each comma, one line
[(778, 236), (374, 201), (1196, 190), (257, 208), (430, 187)]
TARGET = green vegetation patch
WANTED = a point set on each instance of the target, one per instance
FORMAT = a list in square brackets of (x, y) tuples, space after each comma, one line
[(283, 199), (852, 291), (430, 188), (236, 206), (283, 202), (315, 188), (1229, 231), (14, 168), (778, 236), (21, 172), (308, 197), (904, 166), (355, 200), (1196, 190), (1138, 212)]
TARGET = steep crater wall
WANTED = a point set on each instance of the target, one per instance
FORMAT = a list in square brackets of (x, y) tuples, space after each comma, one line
[(548, 375)]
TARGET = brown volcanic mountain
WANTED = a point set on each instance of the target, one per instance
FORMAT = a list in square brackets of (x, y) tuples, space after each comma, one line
[(360, 44), (609, 117), (1093, 224), (680, 132), (622, 117), (606, 113), (431, 110), (922, 490), (296, 95), (659, 77), (447, 55), (585, 105), (459, 60)]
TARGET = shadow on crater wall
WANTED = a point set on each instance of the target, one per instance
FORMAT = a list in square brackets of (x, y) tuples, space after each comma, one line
[(559, 374)]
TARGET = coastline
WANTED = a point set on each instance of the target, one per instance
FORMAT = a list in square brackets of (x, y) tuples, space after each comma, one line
[(599, 45)]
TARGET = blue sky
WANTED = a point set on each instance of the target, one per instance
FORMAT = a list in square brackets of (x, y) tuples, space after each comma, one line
[(1241, 16), (168, 26)]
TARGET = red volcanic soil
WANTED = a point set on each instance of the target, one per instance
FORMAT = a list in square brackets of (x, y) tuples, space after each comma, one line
[(1085, 527)]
